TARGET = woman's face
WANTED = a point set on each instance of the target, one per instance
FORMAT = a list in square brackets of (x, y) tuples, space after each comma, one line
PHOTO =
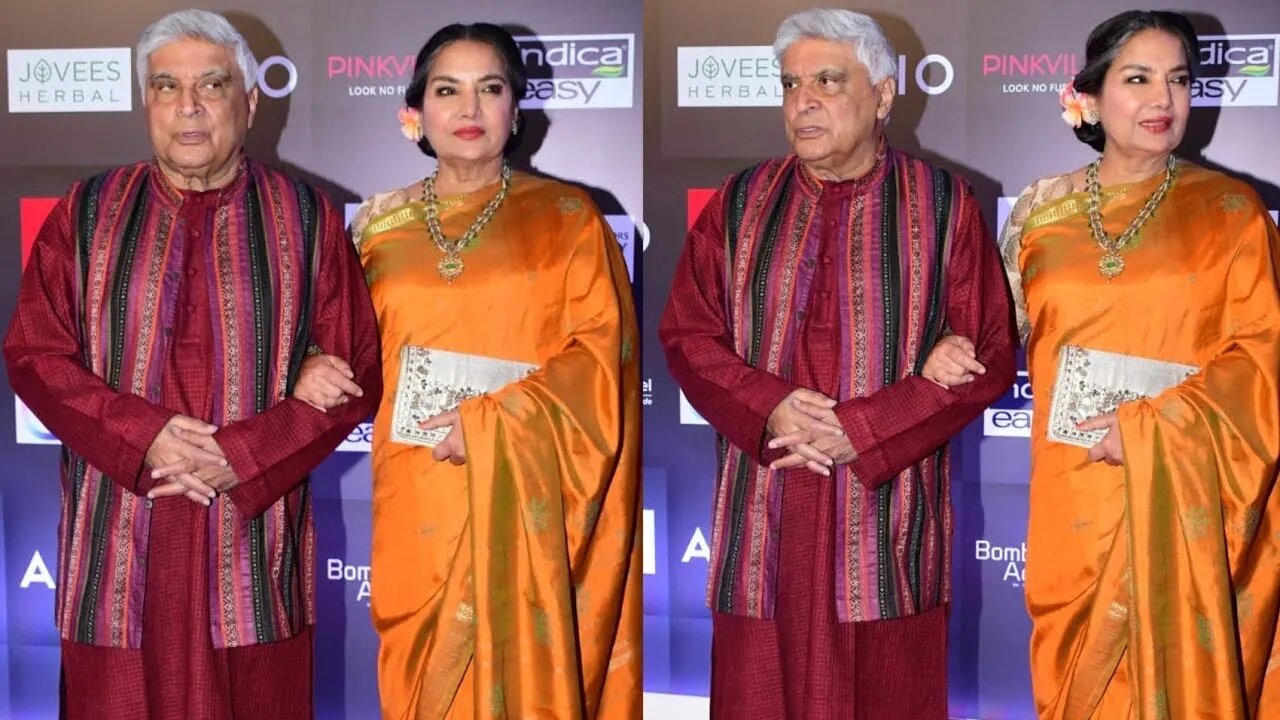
[(468, 106), (1146, 96)]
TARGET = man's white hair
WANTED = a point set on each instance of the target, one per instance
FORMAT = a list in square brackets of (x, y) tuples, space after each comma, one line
[(870, 45), (198, 25)]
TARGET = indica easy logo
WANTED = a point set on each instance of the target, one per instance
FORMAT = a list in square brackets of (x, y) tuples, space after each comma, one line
[(1011, 414), (1237, 71), (579, 71)]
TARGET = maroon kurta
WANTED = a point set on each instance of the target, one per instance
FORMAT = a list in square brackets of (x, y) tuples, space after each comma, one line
[(803, 664), (177, 673)]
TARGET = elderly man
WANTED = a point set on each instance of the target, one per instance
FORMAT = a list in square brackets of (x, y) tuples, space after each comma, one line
[(808, 297), (160, 326)]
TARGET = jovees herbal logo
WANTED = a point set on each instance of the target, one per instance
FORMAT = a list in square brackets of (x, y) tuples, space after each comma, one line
[(750, 76), (70, 80)]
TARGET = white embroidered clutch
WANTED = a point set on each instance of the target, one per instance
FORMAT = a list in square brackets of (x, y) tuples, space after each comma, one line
[(1094, 382), (436, 381)]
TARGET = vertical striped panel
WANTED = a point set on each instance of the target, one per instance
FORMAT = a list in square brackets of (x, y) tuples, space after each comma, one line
[(894, 542), (262, 262)]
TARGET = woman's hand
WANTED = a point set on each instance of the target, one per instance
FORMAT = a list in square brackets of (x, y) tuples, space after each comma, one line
[(453, 448), (1108, 449)]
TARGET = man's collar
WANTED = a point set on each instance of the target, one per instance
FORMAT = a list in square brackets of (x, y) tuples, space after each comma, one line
[(815, 186), (173, 195)]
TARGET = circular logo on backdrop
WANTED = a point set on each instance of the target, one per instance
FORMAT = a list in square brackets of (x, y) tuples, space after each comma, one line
[(274, 88), (944, 65)]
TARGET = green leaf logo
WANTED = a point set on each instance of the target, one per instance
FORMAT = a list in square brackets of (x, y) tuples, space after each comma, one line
[(1255, 70), (42, 71), (608, 71)]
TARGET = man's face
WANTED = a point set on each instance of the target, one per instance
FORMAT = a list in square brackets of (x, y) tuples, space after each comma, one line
[(831, 109), (198, 111)]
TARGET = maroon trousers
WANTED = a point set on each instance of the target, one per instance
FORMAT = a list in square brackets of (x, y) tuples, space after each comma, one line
[(178, 675), (803, 665)]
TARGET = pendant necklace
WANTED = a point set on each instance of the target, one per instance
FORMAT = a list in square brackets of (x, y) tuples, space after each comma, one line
[(1112, 263), (450, 265)]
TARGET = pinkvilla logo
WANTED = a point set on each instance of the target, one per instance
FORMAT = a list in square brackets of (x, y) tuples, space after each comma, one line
[(1031, 73), (371, 75)]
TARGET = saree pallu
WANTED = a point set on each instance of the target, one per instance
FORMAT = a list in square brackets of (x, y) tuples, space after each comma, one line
[(1154, 587)]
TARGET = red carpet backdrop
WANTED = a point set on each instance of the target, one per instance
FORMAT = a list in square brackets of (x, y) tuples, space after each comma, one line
[(332, 78), (978, 84)]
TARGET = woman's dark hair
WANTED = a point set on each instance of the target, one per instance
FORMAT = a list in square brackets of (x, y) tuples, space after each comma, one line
[(1105, 43), (493, 36)]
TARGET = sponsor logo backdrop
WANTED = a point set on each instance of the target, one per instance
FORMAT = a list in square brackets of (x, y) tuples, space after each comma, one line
[(331, 80), (978, 86)]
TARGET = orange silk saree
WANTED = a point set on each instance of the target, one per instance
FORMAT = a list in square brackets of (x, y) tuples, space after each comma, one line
[(1154, 587), (509, 587)]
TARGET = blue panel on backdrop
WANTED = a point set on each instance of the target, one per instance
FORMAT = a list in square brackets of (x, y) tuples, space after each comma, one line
[(33, 674), (690, 656), (31, 557), (677, 655), (655, 520), (988, 674), (689, 535), (346, 671), (11, 581), (677, 622), (5, 657), (1010, 416), (995, 448)]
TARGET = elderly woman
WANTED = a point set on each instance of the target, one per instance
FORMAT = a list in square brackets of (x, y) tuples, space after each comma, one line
[(163, 315), (506, 567), (806, 299), (1147, 297)]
